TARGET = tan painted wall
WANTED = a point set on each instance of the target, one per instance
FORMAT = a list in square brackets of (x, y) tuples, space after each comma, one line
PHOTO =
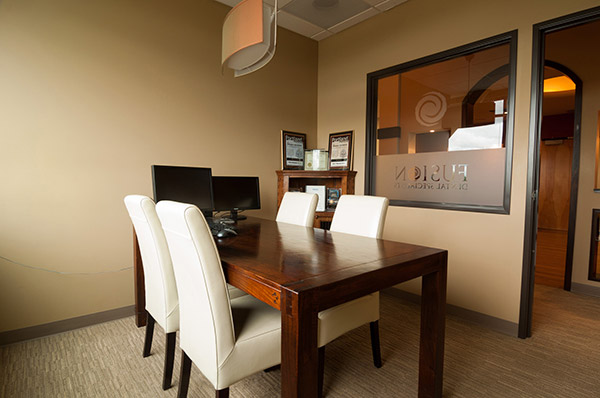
[(485, 250), (576, 49), (92, 94)]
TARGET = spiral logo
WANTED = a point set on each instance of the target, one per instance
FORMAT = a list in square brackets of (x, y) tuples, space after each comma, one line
[(414, 173), (431, 108)]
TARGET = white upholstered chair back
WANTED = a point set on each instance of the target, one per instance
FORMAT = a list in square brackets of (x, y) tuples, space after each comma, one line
[(360, 215), (298, 208), (161, 291), (206, 331)]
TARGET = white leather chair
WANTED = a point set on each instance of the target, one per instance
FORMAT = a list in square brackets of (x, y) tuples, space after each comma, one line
[(297, 208), (360, 215), (227, 339), (365, 216), (162, 304)]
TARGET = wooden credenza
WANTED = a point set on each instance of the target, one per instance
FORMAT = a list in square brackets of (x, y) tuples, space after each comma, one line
[(297, 179)]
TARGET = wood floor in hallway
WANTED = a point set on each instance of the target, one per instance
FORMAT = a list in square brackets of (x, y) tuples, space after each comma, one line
[(550, 257)]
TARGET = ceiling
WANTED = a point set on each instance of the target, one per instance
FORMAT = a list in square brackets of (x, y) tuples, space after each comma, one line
[(319, 19)]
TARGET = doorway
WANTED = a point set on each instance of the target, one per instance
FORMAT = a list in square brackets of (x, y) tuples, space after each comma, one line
[(555, 172), (571, 36)]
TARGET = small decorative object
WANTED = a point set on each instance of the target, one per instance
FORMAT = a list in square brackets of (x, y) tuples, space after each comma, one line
[(292, 150), (320, 191), (316, 159), (333, 196), (340, 148)]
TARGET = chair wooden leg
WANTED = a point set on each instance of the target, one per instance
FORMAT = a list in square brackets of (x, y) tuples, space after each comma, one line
[(149, 333), (184, 376), (169, 359), (375, 346), (321, 370), (224, 393)]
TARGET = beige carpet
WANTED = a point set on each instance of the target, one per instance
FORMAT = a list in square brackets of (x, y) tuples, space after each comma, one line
[(562, 359)]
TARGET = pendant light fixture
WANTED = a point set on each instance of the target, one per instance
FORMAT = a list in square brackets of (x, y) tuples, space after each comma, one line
[(249, 36)]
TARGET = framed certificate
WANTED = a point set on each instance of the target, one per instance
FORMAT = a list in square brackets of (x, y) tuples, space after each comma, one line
[(340, 150), (292, 150)]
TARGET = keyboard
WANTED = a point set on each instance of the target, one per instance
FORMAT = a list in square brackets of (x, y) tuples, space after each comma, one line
[(216, 225)]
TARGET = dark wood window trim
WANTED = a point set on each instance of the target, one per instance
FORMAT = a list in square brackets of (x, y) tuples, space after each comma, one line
[(594, 241)]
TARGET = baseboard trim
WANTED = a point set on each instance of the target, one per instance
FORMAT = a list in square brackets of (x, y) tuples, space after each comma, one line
[(585, 289), (487, 321), (34, 332)]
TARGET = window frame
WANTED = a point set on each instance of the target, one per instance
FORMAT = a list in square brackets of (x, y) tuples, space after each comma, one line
[(509, 38), (594, 242)]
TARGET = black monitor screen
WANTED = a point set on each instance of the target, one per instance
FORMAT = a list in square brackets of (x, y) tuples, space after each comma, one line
[(236, 193), (183, 184)]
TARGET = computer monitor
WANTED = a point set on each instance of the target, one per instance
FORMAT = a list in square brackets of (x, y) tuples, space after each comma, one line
[(236, 193), (184, 184)]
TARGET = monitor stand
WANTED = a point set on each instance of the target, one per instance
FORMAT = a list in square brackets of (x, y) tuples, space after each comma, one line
[(233, 214)]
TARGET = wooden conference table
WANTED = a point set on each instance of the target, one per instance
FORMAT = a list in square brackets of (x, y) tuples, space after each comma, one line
[(302, 271)]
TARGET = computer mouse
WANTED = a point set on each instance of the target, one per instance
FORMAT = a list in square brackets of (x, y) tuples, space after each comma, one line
[(226, 232)]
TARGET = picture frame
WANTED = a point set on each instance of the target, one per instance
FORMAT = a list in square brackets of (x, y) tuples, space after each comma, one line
[(293, 146), (341, 150)]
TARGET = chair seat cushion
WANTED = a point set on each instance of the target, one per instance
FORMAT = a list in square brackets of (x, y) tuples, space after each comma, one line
[(335, 321), (258, 340)]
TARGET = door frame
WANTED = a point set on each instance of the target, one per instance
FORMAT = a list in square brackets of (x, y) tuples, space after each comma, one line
[(533, 162)]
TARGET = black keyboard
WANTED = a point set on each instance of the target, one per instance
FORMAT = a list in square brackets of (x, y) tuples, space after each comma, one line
[(216, 225)]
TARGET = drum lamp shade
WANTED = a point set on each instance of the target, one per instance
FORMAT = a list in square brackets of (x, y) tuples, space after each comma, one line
[(249, 36)]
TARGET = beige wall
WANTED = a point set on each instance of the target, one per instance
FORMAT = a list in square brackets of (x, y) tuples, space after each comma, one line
[(92, 94), (576, 49), (485, 250)]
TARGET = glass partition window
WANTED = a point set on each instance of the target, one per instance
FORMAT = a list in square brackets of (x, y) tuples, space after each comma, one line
[(438, 129)]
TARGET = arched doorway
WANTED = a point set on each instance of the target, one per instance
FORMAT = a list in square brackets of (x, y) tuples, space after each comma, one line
[(558, 176), (541, 32)]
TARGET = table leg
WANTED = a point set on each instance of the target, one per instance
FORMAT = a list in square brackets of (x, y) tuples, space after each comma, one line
[(299, 353), (433, 321), (138, 284)]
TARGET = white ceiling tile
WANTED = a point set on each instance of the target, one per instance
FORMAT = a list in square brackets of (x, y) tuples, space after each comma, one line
[(321, 35), (354, 20), (280, 3), (305, 28), (326, 13), (388, 4), (295, 24), (230, 3)]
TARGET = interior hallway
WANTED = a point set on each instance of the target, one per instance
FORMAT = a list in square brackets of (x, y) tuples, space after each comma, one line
[(550, 257)]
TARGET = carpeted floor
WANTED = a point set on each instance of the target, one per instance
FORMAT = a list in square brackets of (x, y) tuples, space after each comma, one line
[(562, 359)]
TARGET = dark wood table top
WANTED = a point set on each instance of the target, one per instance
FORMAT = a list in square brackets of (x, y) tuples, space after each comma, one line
[(285, 256)]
